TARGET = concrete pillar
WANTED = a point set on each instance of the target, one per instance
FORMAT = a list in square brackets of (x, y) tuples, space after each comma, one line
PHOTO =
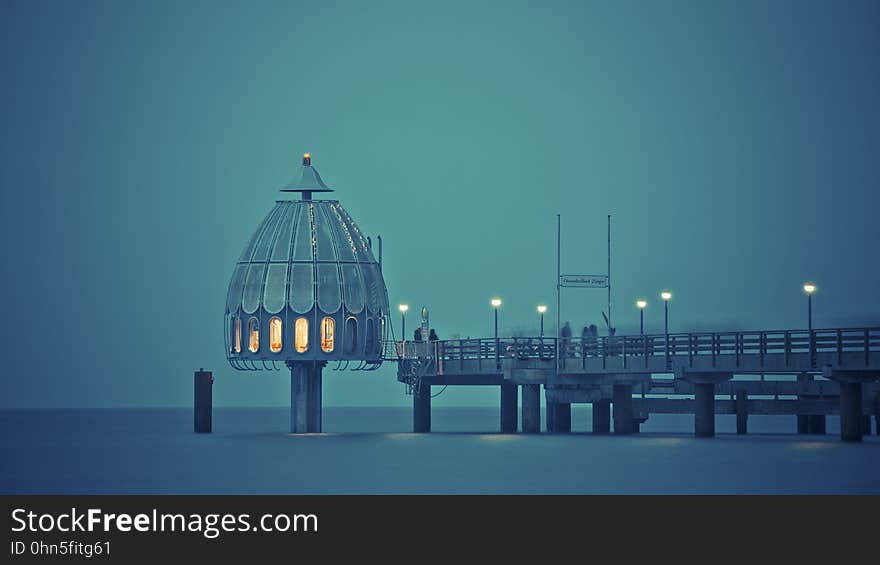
[(305, 397), (704, 411), (816, 424), (877, 413), (202, 401), (602, 417), (550, 422), (851, 411), (531, 408), (562, 417), (509, 402), (623, 408), (298, 397), (422, 409), (803, 423), (803, 420), (866, 425), (315, 411), (742, 413)]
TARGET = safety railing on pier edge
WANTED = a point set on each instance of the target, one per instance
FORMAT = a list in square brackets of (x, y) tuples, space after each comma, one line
[(741, 344)]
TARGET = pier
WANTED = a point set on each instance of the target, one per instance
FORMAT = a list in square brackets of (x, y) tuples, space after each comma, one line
[(628, 378)]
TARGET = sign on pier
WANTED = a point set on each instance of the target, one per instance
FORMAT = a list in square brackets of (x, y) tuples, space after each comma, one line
[(584, 281)]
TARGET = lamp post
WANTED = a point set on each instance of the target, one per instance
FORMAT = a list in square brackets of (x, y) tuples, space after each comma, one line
[(496, 304), (541, 310), (642, 304), (810, 288), (666, 296), (403, 308)]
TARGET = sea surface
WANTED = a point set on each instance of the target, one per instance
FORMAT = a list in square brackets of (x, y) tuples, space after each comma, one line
[(371, 450)]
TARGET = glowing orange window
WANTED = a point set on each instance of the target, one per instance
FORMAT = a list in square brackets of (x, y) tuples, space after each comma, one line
[(275, 334), (301, 335), (328, 334)]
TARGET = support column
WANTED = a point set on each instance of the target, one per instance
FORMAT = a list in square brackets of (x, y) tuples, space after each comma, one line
[(561, 417), (509, 402), (877, 413), (602, 417), (623, 408), (298, 397), (742, 413), (851, 411), (202, 401), (866, 425), (816, 424), (422, 409), (314, 409), (531, 408), (803, 420), (305, 397), (704, 412), (550, 417)]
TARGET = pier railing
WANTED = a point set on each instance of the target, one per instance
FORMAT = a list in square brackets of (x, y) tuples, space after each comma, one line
[(787, 347)]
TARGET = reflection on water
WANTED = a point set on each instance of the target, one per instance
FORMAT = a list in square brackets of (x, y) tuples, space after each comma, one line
[(372, 450)]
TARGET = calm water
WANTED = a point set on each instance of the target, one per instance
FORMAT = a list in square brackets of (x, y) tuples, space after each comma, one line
[(370, 450)]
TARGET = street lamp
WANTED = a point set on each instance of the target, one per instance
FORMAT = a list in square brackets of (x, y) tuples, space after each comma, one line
[(541, 310), (666, 296), (810, 288), (642, 304), (496, 303), (403, 308)]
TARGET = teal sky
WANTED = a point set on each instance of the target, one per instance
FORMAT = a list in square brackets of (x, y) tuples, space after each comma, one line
[(737, 145)]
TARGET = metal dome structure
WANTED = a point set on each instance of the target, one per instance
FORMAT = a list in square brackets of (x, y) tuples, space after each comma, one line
[(306, 290)]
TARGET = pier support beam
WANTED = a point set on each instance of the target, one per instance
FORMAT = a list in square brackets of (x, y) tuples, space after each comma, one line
[(877, 413), (803, 420), (602, 417), (623, 408), (422, 409), (851, 411), (509, 405), (560, 417), (203, 403), (305, 397), (531, 408), (742, 412), (817, 424), (704, 410)]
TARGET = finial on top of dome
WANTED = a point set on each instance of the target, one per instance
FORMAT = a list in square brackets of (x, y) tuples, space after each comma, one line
[(307, 180)]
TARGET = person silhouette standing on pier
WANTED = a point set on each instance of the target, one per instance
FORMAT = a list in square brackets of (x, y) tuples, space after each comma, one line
[(565, 334)]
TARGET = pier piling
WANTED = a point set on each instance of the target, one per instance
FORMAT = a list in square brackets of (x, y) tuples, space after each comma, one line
[(623, 408), (531, 408), (509, 402), (561, 417), (422, 409), (602, 417), (742, 413), (203, 401), (817, 424), (704, 411), (306, 384), (851, 411)]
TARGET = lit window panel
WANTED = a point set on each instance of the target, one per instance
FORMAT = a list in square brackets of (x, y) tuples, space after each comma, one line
[(301, 335), (328, 331), (253, 335), (275, 334)]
